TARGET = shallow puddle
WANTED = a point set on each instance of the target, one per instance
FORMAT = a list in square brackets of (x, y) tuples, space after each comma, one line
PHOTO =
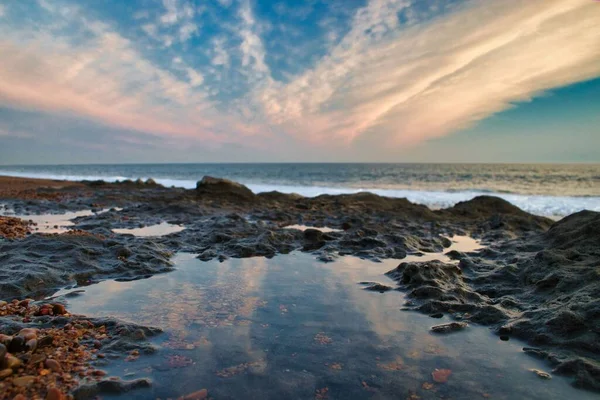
[(323, 229), (161, 229), (292, 327), (56, 223)]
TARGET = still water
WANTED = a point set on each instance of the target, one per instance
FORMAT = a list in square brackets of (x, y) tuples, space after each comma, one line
[(291, 327)]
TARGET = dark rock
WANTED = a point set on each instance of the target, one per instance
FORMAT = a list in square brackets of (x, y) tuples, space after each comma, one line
[(376, 287), (224, 188), (450, 327)]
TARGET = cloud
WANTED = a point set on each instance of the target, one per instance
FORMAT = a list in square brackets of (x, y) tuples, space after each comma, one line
[(220, 55), (379, 79), (2, 10), (409, 85), (252, 48), (106, 79), (195, 77)]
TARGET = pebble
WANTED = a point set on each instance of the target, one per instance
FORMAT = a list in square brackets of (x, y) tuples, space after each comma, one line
[(28, 333), (19, 397), (2, 354), (31, 344), (17, 344), (23, 381), (53, 365), (54, 394), (437, 315), (37, 358), (12, 361), (5, 372)]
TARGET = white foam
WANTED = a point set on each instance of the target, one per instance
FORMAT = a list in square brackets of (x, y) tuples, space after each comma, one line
[(551, 206)]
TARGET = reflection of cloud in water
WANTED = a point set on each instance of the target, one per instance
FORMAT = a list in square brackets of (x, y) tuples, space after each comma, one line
[(161, 229)]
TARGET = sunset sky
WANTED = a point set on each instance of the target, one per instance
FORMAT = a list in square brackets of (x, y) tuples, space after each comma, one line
[(317, 80)]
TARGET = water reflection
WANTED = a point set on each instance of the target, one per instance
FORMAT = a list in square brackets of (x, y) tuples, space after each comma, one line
[(323, 229), (291, 327), (161, 229)]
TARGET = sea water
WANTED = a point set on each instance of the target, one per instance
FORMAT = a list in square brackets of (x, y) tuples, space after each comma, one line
[(553, 190)]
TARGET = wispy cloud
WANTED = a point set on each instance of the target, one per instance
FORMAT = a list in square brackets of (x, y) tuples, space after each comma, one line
[(399, 81), (434, 79)]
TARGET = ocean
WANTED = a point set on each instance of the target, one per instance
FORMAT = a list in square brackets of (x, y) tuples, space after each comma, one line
[(553, 190)]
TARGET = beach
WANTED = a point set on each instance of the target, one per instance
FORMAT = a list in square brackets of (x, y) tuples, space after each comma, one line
[(481, 264)]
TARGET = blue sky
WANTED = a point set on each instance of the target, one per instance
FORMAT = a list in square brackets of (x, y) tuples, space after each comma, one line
[(317, 80)]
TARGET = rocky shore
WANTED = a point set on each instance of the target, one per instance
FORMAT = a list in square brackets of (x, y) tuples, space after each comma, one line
[(536, 279)]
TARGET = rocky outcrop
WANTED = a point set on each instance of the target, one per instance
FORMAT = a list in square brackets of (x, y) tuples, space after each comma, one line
[(543, 288), (224, 189)]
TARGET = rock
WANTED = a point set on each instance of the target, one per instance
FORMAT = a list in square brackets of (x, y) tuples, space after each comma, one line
[(224, 188), (24, 381), (31, 345), (19, 397), (436, 315), (376, 287), (504, 338), (541, 374), (58, 309), (53, 365), (28, 333), (45, 341), (450, 327), (199, 395), (5, 373), (55, 394), (2, 355), (37, 358), (150, 181), (17, 344), (12, 362), (441, 375)]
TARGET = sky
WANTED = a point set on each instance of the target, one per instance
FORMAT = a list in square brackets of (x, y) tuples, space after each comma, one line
[(112, 81)]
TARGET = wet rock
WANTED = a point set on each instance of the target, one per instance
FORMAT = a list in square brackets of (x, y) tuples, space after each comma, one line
[(12, 362), (437, 315), (224, 188), (449, 327), (58, 309), (376, 287), (90, 391), (541, 374)]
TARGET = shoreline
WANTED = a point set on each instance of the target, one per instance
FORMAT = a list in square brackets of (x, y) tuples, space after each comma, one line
[(534, 280), (541, 204)]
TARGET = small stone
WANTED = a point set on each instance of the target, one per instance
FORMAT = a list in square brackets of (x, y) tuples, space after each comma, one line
[(19, 397), (53, 365), (5, 372), (17, 344), (541, 374), (12, 362), (45, 341), (450, 327), (441, 375), (31, 344), (28, 333), (58, 309), (2, 354), (437, 315), (37, 358), (23, 381), (54, 394), (199, 395), (504, 338)]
